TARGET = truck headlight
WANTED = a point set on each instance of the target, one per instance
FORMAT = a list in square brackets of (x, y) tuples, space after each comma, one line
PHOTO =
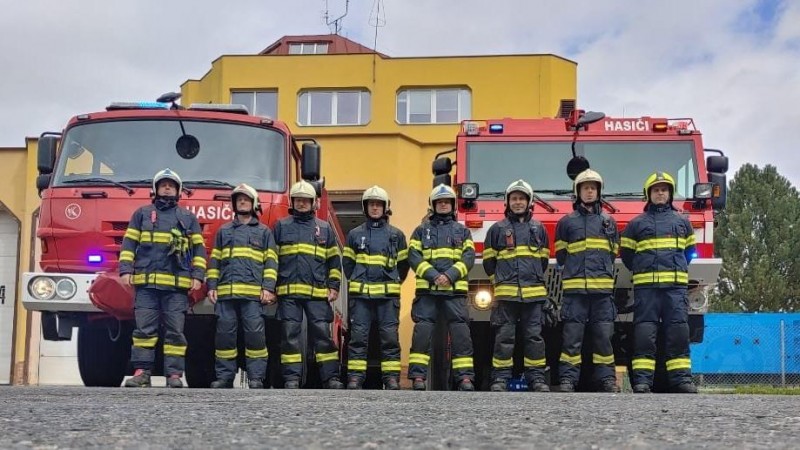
[(43, 288), (482, 300), (66, 288), (698, 299)]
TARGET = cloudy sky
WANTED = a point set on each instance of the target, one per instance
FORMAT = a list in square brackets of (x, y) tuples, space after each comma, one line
[(732, 65)]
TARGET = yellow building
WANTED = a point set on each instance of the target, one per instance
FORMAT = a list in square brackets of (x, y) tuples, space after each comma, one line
[(379, 119)]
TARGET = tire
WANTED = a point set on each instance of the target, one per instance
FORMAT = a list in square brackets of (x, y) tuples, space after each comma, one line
[(103, 361), (200, 332)]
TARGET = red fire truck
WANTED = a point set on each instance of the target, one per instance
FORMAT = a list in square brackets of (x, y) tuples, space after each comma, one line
[(491, 153), (95, 173)]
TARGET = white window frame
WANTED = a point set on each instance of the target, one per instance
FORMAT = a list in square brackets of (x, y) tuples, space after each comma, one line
[(360, 122), (254, 93), (462, 115), (319, 48)]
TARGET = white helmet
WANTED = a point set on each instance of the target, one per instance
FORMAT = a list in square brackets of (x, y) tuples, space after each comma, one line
[(440, 192), (376, 193), (303, 189), (248, 191), (167, 174), (520, 186), (583, 177)]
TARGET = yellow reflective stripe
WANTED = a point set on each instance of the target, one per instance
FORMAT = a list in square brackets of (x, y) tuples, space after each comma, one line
[(270, 274), (691, 240), (163, 279), (461, 285), (226, 354), (390, 366), (601, 359), (679, 364), (505, 290), (333, 252), (570, 359), (462, 269), (589, 244), (199, 262), (261, 353), (489, 253), (588, 283), (212, 273), (643, 364), (419, 358), (402, 254), (325, 357), (197, 239), (157, 237), (422, 268), (291, 358), (523, 251), (626, 242), (304, 249), (126, 256), (145, 342), (174, 350), (463, 362), (561, 245), (661, 277), (270, 254), (239, 289), (216, 253), (302, 289), (335, 274), (132, 234), (416, 244), (349, 253), (375, 260), (356, 287), (242, 252), (468, 244), (498, 363), (675, 243), (357, 364), (534, 362), (445, 253)]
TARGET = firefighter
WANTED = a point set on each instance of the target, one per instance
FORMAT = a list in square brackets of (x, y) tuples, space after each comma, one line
[(241, 275), (376, 263), (309, 276), (515, 256), (441, 253), (586, 245), (163, 256), (657, 247)]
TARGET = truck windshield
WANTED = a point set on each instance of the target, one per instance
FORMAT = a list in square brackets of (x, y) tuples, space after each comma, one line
[(623, 165), (132, 151)]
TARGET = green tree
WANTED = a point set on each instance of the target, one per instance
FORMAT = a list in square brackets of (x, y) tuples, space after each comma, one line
[(758, 238)]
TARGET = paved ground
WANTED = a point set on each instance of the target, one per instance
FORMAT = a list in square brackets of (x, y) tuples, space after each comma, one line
[(76, 417)]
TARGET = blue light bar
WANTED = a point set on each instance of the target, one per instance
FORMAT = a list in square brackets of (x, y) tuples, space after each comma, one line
[(694, 255), (496, 128), (137, 105), (95, 258)]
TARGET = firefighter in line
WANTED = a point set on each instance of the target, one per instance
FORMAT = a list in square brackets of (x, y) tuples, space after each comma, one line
[(441, 253), (587, 241), (375, 261), (309, 276), (241, 276), (657, 247), (515, 256), (163, 256)]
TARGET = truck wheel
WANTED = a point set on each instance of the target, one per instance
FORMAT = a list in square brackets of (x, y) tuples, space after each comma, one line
[(104, 351), (200, 332)]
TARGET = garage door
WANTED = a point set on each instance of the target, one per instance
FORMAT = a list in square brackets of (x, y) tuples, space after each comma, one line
[(9, 246)]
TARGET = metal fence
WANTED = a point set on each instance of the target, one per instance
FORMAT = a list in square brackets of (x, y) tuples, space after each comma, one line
[(748, 349)]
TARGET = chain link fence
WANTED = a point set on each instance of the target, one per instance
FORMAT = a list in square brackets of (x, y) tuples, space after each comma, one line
[(748, 349)]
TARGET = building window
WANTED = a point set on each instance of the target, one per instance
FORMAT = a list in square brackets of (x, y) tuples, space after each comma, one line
[(333, 108), (433, 105), (259, 103), (308, 48)]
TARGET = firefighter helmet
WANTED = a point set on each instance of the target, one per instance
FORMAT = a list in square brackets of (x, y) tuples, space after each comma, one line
[(520, 186), (441, 192), (376, 193), (583, 177), (167, 174), (659, 178), (303, 189), (246, 190)]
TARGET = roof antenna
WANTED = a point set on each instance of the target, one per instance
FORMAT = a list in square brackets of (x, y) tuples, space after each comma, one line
[(377, 19), (335, 25)]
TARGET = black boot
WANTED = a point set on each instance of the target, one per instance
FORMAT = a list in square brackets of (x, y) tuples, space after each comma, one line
[(641, 389), (354, 383), (419, 384), (609, 385), (291, 384), (391, 384), (498, 385), (222, 384), (566, 386), (140, 378), (255, 384), (684, 388), (334, 383), (466, 385), (539, 386)]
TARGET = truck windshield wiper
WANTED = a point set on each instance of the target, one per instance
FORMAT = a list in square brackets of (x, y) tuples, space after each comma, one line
[(99, 180), (554, 191), (210, 183), (188, 191), (623, 194), (547, 205)]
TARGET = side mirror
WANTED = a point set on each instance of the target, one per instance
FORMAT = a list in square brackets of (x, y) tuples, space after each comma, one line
[(576, 165), (46, 160), (719, 191), (443, 178), (442, 166), (43, 182), (590, 117), (310, 169), (717, 164)]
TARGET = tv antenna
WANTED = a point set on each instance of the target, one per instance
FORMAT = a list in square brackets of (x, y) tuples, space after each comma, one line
[(335, 25)]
